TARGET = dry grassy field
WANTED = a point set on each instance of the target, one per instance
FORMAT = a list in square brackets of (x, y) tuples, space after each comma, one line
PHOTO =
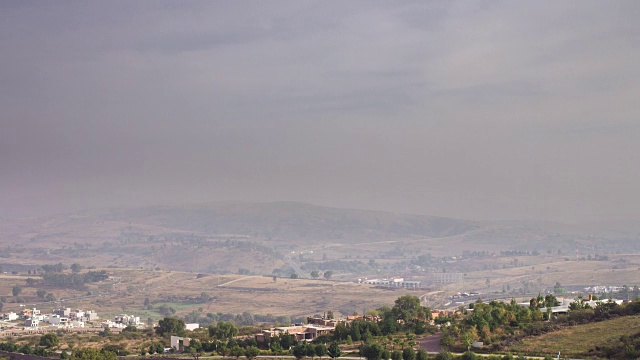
[(578, 340), (128, 289)]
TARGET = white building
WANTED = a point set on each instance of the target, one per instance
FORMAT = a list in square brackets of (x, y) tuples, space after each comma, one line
[(128, 320), (192, 326), (10, 316)]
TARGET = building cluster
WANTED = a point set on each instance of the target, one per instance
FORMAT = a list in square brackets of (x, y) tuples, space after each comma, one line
[(122, 321), (603, 289), (61, 318), (316, 326), (393, 282)]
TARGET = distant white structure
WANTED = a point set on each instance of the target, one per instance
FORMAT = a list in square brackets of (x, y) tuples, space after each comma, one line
[(128, 320), (179, 343), (395, 282), (10, 316), (192, 326)]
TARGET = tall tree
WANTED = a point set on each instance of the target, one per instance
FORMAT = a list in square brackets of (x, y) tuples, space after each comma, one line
[(334, 350), (225, 330), (170, 326)]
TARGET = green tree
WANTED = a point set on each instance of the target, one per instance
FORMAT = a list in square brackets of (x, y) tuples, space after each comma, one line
[(93, 354), (16, 290), (315, 274), (330, 314), (300, 350), (396, 355), (251, 352), (275, 347), (444, 355), (236, 351), (311, 350), (408, 354), (469, 355), (408, 309), (41, 293), (171, 326), (75, 268), (225, 330), (49, 340), (334, 350), (372, 351), (386, 354), (31, 281), (321, 350), (50, 297), (421, 355), (328, 274)]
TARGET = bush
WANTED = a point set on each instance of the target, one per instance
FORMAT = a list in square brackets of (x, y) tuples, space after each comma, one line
[(444, 355)]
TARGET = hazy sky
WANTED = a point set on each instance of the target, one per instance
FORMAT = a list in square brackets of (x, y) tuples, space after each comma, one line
[(475, 109)]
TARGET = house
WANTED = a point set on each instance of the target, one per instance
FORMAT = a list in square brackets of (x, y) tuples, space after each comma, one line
[(76, 324), (111, 324), (10, 316), (58, 320), (128, 320), (28, 313), (32, 323), (299, 332), (179, 343), (89, 315), (63, 312)]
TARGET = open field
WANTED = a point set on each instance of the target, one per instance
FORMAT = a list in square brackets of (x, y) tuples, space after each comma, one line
[(578, 340), (128, 289)]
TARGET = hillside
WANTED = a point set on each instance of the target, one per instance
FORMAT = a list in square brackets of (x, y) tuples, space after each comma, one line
[(296, 221), (231, 237)]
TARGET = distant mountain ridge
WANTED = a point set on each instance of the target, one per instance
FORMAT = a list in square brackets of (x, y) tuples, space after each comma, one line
[(294, 220)]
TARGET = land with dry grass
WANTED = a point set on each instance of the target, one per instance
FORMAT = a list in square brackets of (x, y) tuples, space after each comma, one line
[(581, 340)]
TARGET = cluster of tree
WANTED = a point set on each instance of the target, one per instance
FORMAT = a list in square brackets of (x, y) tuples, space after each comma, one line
[(153, 348), (582, 312), (45, 347), (375, 351), (355, 266), (406, 315), (494, 321), (55, 268), (247, 318), (93, 354), (165, 310), (73, 280), (200, 299), (303, 349), (327, 274)]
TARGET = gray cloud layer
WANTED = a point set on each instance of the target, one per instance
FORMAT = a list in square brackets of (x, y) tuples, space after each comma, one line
[(486, 110)]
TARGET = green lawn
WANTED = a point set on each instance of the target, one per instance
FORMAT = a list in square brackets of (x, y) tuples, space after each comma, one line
[(578, 340)]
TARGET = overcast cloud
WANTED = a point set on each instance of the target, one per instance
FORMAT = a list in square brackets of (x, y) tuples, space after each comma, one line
[(474, 109)]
